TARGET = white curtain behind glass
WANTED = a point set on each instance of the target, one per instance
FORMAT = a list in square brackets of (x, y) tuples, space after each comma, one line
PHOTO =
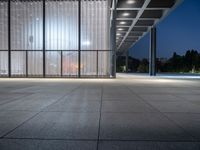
[(3, 26), (3, 38), (26, 25), (61, 25), (95, 25)]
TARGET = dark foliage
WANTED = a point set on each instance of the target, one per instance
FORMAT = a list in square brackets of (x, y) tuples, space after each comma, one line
[(190, 62)]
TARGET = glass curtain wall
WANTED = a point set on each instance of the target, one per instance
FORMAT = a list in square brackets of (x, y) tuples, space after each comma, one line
[(3, 38), (95, 37), (61, 48), (26, 38), (61, 34)]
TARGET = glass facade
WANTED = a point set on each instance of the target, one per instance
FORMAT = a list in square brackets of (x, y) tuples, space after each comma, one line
[(55, 38), (3, 38)]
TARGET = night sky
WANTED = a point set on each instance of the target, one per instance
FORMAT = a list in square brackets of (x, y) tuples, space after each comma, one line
[(178, 32)]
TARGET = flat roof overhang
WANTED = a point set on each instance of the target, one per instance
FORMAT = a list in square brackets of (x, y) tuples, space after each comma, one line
[(136, 17)]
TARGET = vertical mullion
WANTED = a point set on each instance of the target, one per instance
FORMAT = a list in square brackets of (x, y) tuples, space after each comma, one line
[(61, 64), (44, 66), (9, 44), (26, 63), (97, 63), (79, 38)]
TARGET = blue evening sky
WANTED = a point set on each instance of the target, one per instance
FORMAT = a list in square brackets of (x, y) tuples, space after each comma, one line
[(178, 32)]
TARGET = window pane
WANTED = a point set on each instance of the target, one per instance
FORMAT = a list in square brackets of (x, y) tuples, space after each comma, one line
[(26, 25), (61, 25), (70, 63), (18, 63), (88, 63), (3, 63), (95, 25), (3, 25), (35, 63), (53, 63), (104, 63)]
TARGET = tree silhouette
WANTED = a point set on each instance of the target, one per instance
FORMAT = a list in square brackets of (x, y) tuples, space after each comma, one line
[(188, 63)]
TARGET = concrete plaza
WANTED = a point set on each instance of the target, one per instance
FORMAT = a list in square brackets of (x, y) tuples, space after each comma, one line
[(128, 113)]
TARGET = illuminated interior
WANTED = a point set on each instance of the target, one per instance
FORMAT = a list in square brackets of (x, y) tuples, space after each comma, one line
[(59, 56)]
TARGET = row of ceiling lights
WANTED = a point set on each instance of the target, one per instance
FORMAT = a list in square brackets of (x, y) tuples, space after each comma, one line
[(126, 14), (129, 2), (122, 23)]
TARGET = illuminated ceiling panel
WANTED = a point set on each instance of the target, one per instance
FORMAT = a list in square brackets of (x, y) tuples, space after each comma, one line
[(136, 17)]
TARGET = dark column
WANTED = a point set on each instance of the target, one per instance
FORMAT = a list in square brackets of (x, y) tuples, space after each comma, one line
[(61, 63), (79, 38), (97, 62), (152, 52), (44, 57), (26, 63), (127, 56), (113, 40), (9, 44)]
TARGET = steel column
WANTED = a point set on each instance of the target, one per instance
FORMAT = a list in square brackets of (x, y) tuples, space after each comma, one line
[(97, 63), (113, 40), (9, 40), (61, 63), (26, 63), (152, 52), (79, 38), (44, 57), (127, 58)]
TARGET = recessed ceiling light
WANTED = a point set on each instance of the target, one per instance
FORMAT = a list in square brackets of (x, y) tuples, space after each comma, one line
[(122, 22), (130, 2), (126, 14), (118, 34), (120, 29)]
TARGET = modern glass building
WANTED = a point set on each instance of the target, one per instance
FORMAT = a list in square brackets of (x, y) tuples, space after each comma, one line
[(74, 38), (55, 38)]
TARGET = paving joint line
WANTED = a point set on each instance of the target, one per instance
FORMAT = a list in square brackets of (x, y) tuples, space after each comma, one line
[(193, 137), (16, 99), (100, 109), (37, 113), (108, 140)]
